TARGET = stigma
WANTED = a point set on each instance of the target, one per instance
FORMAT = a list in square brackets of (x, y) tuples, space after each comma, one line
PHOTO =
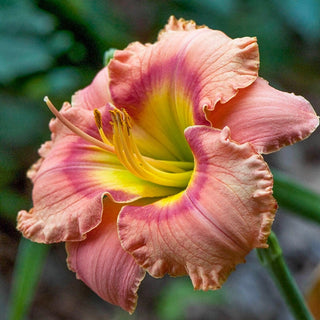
[(76, 130)]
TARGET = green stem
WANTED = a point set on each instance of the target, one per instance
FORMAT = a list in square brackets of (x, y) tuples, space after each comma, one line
[(273, 260), (29, 264), (296, 198)]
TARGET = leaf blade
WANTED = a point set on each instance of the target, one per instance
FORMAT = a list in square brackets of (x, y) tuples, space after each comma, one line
[(29, 264)]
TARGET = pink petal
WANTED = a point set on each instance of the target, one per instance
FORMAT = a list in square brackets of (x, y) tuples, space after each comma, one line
[(71, 180), (267, 118), (95, 95), (179, 25), (102, 264), (172, 80), (226, 211)]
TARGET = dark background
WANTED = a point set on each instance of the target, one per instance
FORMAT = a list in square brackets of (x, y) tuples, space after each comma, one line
[(56, 47)]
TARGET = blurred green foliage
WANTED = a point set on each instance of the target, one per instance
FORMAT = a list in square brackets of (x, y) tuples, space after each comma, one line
[(178, 299), (55, 47), (29, 265)]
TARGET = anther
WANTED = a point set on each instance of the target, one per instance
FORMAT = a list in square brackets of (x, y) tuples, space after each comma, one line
[(130, 156), (98, 120)]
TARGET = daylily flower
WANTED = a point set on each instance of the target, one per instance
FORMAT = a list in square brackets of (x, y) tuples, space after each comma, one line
[(156, 166)]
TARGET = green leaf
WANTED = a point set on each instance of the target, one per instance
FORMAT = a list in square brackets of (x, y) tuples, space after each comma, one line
[(22, 56), (24, 31), (9, 165), (98, 19), (108, 55), (296, 198), (27, 271), (11, 201), (22, 122), (302, 16)]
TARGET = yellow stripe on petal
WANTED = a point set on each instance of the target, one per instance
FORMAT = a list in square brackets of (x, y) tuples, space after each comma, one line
[(169, 200), (125, 181), (167, 112)]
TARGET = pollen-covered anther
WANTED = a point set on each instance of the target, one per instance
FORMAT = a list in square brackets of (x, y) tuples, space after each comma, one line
[(98, 120), (129, 155)]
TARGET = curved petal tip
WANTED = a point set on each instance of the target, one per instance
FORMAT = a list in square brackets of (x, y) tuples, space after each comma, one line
[(267, 118)]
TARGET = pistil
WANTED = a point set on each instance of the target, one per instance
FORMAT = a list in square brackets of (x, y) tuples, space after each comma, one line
[(76, 130), (162, 172)]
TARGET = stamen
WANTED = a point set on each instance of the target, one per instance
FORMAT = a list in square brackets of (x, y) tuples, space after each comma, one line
[(124, 146), (121, 153), (130, 156), (76, 130), (165, 165), (98, 120)]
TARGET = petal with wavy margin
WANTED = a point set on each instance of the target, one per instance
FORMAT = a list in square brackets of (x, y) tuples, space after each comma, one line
[(172, 80), (204, 231), (181, 24), (267, 118), (102, 264), (71, 180)]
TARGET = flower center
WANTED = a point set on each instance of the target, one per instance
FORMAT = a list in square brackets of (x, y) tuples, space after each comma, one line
[(166, 173)]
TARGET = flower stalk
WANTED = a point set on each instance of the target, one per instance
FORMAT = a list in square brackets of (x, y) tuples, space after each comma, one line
[(273, 260), (296, 198)]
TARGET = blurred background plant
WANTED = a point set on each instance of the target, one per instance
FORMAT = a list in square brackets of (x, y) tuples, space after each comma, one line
[(55, 47)]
